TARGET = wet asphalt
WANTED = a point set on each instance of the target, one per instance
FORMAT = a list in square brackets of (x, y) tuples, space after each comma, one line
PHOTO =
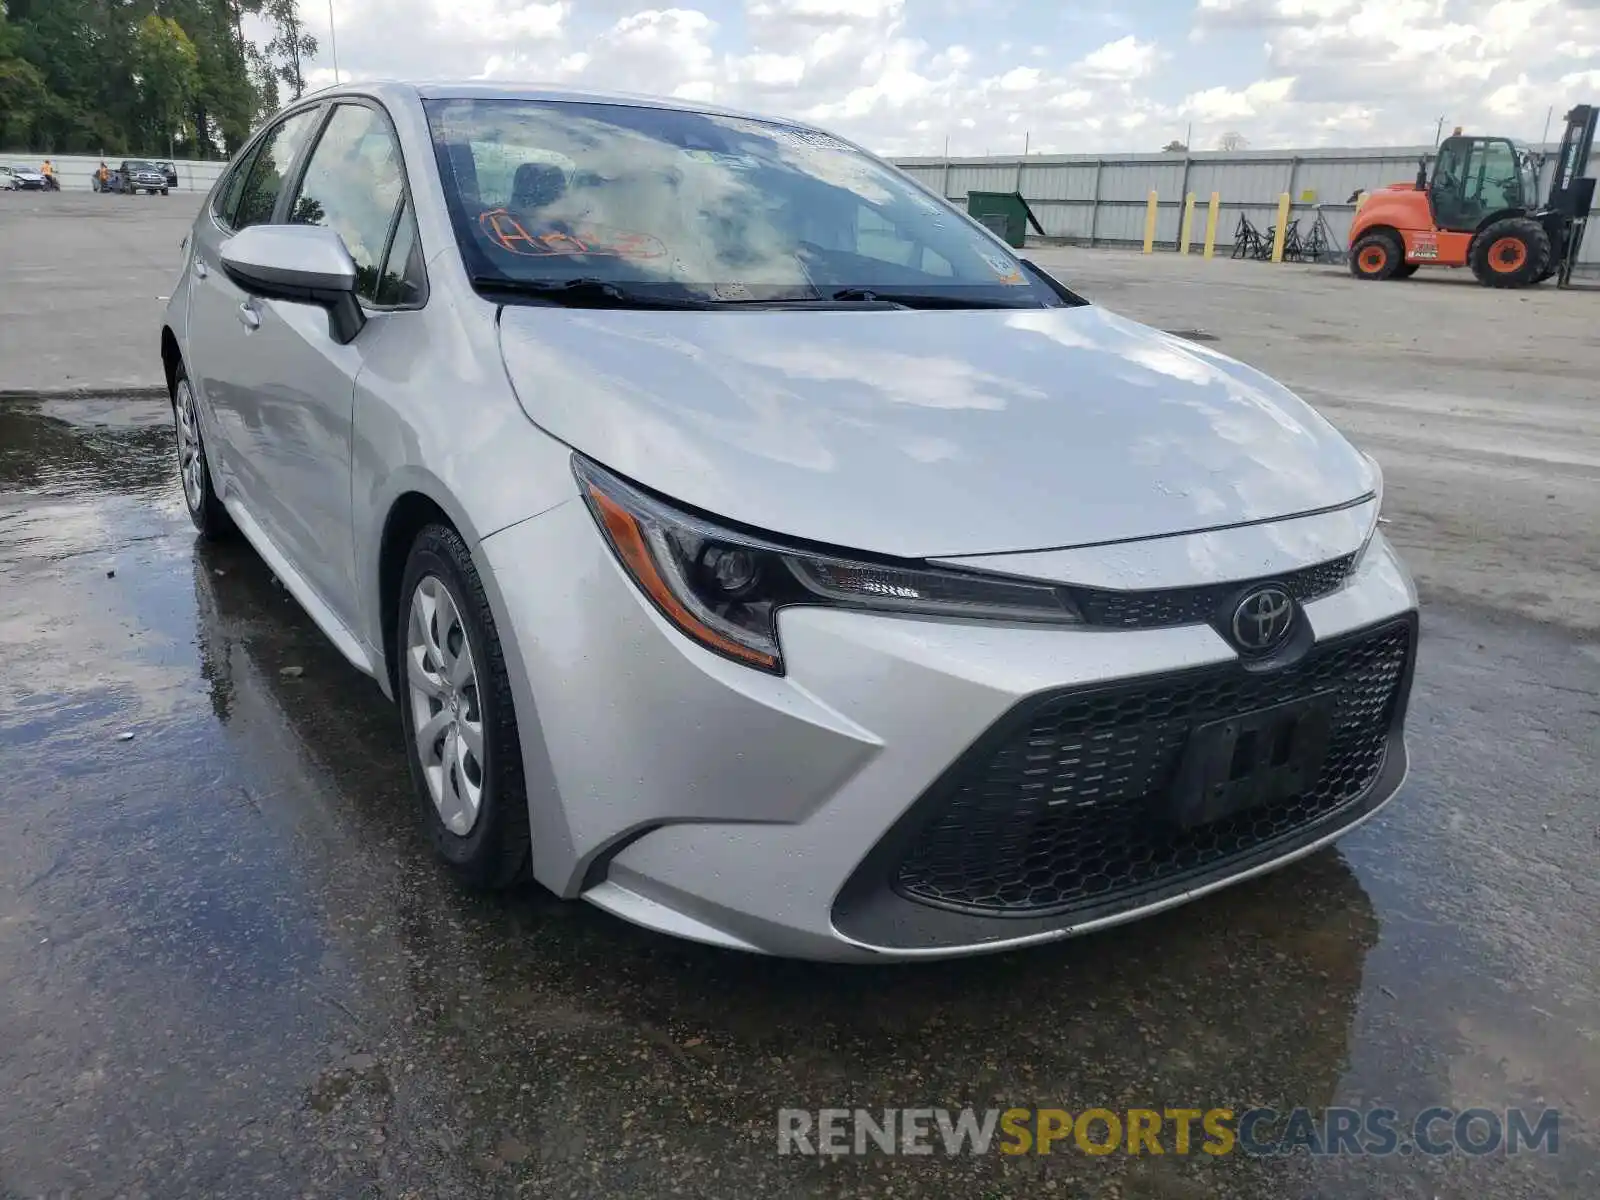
[(228, 968), (231, 970)]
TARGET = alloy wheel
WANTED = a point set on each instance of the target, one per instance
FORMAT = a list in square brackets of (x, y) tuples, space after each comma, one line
[(446, 712), (191, 459)]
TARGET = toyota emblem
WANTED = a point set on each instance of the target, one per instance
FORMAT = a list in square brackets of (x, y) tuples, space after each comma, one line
[(1263, 619)]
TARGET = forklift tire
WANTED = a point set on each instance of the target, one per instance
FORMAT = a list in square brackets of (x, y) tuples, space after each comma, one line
[(1377, 256), (1511, 253), (1405, 270)]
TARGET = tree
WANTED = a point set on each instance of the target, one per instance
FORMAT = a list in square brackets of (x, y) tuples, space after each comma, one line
[(166, 71), (290, 46), (1175, 147), (1232, 141)]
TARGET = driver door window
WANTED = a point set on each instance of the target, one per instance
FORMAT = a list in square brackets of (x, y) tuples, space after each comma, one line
[(353, 185), (1449, 170), (876, 236), (1494, 181), (1473, 180)]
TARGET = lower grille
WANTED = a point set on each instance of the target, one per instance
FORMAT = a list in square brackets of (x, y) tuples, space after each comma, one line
[(1064, 806)]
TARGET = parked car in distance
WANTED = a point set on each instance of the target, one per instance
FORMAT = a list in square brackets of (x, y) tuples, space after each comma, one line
[(137, 175), (756, 547), (21, 179)]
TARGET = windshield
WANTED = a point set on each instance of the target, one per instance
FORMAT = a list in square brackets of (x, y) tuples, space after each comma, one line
[(725, 209), (140, 165)]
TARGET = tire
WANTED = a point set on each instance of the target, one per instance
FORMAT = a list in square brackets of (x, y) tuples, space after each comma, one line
[(1377, 256), (1405, 270), (1511, 253), (194, 475), (486, 848), (164, 191)]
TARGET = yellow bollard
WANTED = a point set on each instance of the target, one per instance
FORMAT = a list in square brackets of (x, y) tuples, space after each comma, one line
[(1211, 224), (1188, 223), (1283, 228), (1150, 223)]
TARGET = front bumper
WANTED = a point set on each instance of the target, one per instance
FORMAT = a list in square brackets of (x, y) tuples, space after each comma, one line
[(695, 796)]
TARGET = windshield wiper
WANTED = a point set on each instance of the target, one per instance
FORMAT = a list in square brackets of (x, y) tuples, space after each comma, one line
[(923, 299), (584, 292)]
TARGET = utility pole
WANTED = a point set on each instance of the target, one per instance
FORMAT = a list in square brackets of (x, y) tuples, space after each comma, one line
[(1026, 137), (1544, 138), (1438, 132), (333, 42)]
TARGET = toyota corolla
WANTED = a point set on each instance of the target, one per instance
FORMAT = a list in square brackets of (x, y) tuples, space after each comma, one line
[(758, 548)]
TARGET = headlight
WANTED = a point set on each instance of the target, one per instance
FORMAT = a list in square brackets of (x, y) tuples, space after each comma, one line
[(723, 588), (1377, 512)]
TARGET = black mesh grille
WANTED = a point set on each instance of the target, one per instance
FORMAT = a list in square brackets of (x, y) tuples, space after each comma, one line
[(1068, 808), (1198, 605)]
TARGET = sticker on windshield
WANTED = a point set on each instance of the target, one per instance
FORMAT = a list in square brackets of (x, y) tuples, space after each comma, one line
[(787, 135), (715, 158), (506, 232), (1005, 272)]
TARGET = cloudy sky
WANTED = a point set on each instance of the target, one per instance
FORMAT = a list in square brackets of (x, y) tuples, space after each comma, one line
[(904, 75)]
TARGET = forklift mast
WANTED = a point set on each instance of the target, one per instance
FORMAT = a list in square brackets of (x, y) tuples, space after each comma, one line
[(1572, 188), (1572, 163)]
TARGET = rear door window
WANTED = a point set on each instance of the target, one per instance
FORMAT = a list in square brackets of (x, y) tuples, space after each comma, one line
[(271, 167), (227, 205)]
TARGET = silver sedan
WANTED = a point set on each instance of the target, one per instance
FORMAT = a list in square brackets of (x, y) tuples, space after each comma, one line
[(760, 549)]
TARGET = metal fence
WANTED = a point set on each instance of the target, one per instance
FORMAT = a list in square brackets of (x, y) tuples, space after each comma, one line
[(76, 171), (1099, 200)]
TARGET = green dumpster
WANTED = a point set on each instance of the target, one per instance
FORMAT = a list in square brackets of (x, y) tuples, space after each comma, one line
[(1005, 213)]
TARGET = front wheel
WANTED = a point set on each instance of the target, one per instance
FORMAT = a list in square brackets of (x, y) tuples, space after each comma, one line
[(1405, 271), (1377, 256), (457, 715)]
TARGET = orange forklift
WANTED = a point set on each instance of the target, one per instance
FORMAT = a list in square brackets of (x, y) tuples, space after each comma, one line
[(1482, 210)]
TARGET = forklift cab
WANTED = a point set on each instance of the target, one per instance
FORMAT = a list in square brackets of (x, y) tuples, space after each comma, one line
[(1477, 178)]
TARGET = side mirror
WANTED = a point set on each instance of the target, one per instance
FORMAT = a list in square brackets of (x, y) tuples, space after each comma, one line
[(303, 264)]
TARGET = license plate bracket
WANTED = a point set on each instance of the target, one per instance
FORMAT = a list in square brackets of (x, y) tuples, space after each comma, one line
[(1244, 761)]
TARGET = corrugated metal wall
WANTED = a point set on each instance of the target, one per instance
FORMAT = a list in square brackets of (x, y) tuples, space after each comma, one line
[(1100, 200)]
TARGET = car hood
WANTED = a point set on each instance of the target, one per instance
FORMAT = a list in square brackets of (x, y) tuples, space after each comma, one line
[(27, 175), (928, 433)]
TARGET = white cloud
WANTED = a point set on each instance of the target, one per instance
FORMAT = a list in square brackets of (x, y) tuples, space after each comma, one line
[(893, 75), (1020, 79), (1125, 59), (1226, 104)]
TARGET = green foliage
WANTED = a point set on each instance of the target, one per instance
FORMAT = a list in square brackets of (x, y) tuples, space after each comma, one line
[(151, 77), (166, 72)]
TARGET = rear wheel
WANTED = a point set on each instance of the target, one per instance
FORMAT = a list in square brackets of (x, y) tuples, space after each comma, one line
[(199, 494), (1376, 256), (1511, 253)]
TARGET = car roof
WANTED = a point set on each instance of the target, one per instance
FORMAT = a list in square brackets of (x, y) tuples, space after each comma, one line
[(493, 90)]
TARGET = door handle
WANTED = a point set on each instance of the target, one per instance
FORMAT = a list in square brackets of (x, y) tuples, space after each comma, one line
[(200, 269), (248, 316)]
